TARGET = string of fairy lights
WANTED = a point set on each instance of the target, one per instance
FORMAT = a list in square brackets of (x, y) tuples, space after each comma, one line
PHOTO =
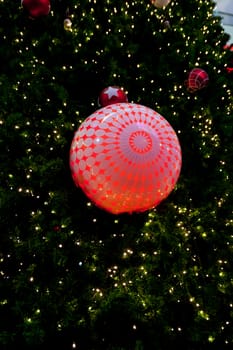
[(122, 278)]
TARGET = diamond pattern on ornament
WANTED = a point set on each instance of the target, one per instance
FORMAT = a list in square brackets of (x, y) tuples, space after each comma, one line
[(125, 157)]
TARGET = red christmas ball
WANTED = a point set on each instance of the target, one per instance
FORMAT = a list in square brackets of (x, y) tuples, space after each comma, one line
[(110, 95), (229, 67), (126, 158), (36, 8), (197, 79), (229, 70)]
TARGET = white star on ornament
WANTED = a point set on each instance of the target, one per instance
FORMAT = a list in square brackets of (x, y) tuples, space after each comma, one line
[(111, 92)]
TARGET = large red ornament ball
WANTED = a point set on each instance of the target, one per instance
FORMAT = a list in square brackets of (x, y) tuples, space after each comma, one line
[(126, 158), (110, 95), (160, 3), (36, 8), (197, 79)]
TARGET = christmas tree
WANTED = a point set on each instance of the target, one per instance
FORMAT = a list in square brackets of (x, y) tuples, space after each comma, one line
[(72, 274)]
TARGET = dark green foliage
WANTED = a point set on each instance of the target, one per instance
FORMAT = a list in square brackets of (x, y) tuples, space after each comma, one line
[(72, 274)]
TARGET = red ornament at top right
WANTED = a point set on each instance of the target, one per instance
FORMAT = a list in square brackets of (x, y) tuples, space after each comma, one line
[(197, 79), (229, 67)]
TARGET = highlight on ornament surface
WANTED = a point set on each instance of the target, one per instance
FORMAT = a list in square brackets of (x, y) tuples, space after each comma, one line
[(126, 158), (197, 79), (36, 8), (160, 3), (110, 95)]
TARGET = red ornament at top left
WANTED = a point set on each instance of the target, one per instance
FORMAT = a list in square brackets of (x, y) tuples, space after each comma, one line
[(111, 95), (36, 8)]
